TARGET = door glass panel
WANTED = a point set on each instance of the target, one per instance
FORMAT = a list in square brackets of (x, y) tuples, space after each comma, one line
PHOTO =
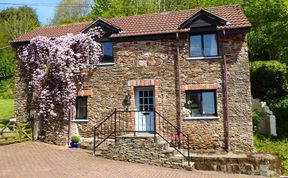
[(140, 93), (145, 100), (151, 93), (151, 101), (145, 93)]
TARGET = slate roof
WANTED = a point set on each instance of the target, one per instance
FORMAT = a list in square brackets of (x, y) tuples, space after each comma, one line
[(149, 24)]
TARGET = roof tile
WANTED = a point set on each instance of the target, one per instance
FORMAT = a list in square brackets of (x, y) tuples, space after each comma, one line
[(160, 23)]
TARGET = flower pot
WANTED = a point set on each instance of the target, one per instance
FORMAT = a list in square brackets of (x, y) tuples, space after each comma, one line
[(74, 145)]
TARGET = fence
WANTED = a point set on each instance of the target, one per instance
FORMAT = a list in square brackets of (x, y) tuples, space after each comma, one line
[(11, 131)]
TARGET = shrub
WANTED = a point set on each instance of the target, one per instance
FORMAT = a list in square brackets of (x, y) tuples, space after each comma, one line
[(7, 66), (7, 88), (75, 139), (267, 77), (257, 116), (275, 146), (280, 109)]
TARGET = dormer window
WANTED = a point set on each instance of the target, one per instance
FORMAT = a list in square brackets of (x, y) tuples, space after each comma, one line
[(107, 50), (203, 45)]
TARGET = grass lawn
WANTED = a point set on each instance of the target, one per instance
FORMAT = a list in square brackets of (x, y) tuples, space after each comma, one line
[(6, 108), (276, 146)]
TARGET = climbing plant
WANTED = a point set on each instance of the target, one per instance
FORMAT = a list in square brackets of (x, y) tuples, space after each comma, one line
[(56, 68)]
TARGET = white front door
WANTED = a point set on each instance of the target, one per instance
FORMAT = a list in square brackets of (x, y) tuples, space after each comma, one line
[(144, 115)]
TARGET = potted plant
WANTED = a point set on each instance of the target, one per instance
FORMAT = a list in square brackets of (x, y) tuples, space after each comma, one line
[(74, 141)]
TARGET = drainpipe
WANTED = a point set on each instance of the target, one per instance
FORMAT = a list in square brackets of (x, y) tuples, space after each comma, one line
[(69, 126), (177, 84), (225, 96)]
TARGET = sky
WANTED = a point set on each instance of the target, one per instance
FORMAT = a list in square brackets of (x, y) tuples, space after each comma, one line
[(44, 9)]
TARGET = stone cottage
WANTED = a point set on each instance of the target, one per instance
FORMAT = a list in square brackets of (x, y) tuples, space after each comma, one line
[(187, 68)]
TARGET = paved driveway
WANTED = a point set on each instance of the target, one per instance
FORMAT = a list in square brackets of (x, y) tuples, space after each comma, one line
[(35, 159)]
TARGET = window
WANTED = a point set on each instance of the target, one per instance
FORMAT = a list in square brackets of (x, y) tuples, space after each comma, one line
[(201, 103), (203, 45), (107, 49), (81, 108)]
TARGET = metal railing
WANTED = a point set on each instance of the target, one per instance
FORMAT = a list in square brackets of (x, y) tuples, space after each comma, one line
[(122, 122)]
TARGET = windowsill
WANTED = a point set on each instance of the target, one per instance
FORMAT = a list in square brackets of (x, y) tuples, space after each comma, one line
[(202, 118), (80, 120), (106, 64), (212, 57)]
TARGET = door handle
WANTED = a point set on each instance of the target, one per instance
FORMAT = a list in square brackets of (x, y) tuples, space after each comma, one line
[(146, 113)]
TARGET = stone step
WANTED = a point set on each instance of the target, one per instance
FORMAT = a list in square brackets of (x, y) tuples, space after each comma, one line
[(163, 144), (187, 167), (169, 151), (97, 153), (178, 158)]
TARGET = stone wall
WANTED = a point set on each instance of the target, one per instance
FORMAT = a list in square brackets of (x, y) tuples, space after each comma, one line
[(252, 164), (267, 122), (153, 60), (143, 150)]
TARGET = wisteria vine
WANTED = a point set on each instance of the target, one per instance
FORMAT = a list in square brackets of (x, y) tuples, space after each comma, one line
[(56, 69)]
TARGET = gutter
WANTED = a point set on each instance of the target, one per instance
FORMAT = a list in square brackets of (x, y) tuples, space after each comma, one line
[(225, 98), (177, 84)]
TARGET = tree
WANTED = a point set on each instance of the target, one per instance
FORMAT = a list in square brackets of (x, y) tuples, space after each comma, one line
[(69, 11), (14, 22), (119, 8), (17, 21), (269, 21)]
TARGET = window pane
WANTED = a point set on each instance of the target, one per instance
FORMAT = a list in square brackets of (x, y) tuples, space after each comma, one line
[(210, 45), (151, 101), (81, 112), (194, 103), (107, 49), (208, 103), (195, 46), (151, 93)]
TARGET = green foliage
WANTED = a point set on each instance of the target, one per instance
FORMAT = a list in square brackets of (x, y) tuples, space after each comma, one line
[(274, 146), (120, 8), (7, 88), (279, 106), (7, 66), (17, 21), (75, 139), (13, 22), (257, 116), (69, 11), (269, 21), (6, 108), (268, 77)]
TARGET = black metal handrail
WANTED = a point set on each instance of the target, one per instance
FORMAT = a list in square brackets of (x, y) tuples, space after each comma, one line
[(123, 121), (182, 137)]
